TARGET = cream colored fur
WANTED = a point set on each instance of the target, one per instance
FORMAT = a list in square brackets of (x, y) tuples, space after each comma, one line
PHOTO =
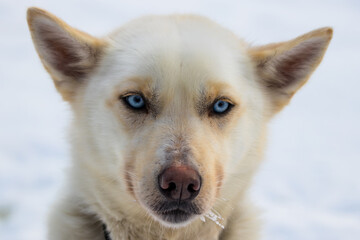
[(181, 64)]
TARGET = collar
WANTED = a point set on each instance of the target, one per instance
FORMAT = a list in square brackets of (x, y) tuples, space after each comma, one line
[(106, 232)]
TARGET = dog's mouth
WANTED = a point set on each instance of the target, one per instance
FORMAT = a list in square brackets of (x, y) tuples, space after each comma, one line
[(175, 212)]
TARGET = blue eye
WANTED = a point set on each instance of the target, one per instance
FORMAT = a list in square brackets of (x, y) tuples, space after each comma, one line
[(221, 106), (135, 101)]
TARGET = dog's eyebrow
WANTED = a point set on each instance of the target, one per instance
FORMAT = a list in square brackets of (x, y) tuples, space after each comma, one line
[(138, 84)]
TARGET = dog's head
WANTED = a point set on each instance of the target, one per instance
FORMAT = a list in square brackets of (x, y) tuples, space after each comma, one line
[(170, 111)]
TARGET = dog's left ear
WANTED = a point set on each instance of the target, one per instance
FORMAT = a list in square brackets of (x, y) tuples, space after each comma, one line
[(68, 54), (284, 67)]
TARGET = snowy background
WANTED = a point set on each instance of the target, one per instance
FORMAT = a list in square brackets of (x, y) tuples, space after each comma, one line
[(309, 185)]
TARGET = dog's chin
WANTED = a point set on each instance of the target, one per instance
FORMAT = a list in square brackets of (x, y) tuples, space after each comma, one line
[(175, 215), (174, 218)]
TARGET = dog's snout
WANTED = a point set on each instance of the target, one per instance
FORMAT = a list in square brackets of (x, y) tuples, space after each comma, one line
[(179, 183)]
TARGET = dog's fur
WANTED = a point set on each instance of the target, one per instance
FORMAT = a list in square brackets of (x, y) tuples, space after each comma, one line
[(181, 64)]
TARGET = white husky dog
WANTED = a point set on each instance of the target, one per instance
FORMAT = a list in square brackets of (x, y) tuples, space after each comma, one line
[(170, 119)]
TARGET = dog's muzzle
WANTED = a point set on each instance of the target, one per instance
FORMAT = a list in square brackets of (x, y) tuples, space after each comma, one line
[(180, 185)]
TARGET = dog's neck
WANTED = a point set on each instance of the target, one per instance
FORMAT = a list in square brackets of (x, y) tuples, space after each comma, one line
[(125, 230), (147, 228), (240, 217)]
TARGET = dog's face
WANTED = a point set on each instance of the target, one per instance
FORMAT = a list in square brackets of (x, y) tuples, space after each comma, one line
[(170, 110), (179, 108)]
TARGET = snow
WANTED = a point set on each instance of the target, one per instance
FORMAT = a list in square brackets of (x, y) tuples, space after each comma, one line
[(308, 186)]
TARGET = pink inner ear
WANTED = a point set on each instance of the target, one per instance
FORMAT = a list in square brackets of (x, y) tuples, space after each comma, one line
[(64, 59), (294, 65), (61, 51)]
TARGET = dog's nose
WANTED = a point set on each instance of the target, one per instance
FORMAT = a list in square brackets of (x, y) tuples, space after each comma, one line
[(179, 183)]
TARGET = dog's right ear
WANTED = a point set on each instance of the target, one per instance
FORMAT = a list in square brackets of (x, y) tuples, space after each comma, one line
[(68, 54), (283, 68)]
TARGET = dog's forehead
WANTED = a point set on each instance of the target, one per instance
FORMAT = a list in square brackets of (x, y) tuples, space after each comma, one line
[(178, 50)]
